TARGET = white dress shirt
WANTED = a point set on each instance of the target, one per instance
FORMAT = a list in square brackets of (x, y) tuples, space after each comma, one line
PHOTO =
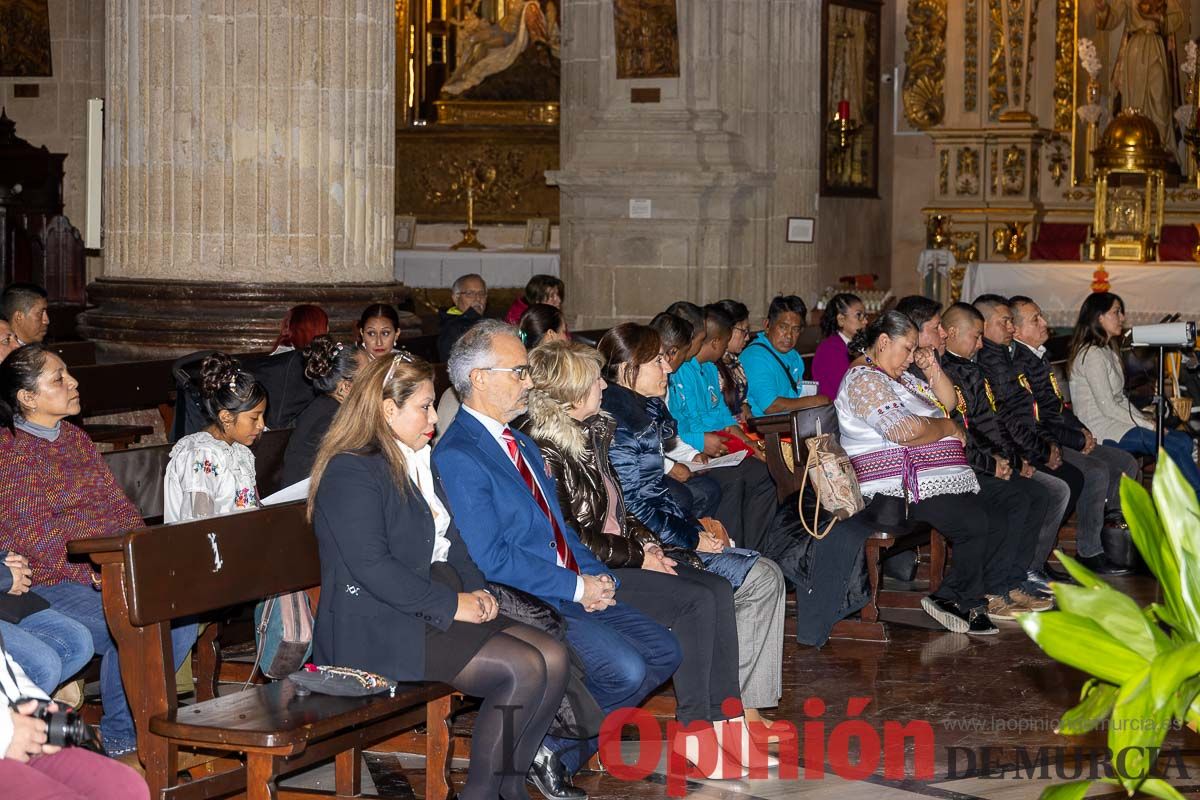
[(496, 428), (421, 474)]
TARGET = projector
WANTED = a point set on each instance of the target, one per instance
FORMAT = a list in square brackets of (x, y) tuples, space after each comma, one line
[(1167, 334)]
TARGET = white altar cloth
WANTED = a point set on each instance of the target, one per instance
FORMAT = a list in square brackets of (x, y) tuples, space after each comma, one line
[(1150, 291), (501, 267)]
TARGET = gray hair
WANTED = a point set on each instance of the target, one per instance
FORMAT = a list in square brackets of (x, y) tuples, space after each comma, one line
[(457, 286), (473, 351)]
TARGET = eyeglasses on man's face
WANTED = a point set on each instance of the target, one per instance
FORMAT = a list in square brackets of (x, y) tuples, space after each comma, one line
[(472, 293), (521, 370)]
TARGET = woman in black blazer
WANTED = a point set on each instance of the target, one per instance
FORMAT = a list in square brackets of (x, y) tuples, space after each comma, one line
[(330, 366), (400, 595)]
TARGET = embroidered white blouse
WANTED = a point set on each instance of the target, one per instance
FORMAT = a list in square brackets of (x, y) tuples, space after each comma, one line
[(206, 477), (876, 412), (421, 475)]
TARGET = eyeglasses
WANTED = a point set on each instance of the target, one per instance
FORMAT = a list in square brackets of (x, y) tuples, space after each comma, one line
[(521, 371), (742, 329), (399, 358), (472, 293)]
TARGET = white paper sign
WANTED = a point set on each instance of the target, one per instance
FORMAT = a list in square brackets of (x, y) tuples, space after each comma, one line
[(640, 208)]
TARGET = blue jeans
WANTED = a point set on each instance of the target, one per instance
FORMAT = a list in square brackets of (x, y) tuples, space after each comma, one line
[(50, 647), (83, 604), (625, 654), (1178, 445)]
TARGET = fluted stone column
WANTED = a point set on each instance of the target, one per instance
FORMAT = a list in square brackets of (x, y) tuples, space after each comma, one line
[(247, 142)]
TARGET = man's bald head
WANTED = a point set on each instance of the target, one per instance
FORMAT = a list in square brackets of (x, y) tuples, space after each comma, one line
[(964, 329)]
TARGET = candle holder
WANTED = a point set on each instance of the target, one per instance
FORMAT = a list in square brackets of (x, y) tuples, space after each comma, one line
[(470, 233), (844, 129)]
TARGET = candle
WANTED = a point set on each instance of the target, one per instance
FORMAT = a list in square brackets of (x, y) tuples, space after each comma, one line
[(470, 206), (843, 109)]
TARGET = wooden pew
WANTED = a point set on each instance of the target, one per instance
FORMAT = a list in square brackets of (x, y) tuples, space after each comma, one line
[(155, 575), (126, 386), (74, 353), (787, 453)]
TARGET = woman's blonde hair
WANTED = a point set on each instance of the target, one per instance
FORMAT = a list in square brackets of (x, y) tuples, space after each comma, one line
[(360, 425), (564, 370)]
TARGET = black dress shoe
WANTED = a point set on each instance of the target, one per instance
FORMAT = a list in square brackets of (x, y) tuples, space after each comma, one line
[(947, 613), (979, 624), (551, 779), (1058, 575), (1037, 583), (1100, 565)]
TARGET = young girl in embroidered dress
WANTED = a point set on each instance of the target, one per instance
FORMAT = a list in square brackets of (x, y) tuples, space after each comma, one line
[(212, 472)]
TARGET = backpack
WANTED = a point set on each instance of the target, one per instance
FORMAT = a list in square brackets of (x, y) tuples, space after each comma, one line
[(283, 634)]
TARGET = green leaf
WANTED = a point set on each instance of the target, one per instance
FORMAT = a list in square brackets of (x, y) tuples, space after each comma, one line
[(1136, 725), (1096, 707), (1157, 787), (1180, 516), (1074, 790), (1081, 643), (1112, 610), (1169, 670), (1151, 540), (1078, 571)]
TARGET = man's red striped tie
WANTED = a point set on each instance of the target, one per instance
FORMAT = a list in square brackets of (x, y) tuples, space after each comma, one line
[(560, 541)]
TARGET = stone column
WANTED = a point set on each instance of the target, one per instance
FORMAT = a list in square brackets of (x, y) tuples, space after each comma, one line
[(249, 166), (727, 154)]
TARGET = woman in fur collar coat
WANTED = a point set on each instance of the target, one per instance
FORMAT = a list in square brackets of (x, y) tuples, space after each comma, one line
[(565, 421)]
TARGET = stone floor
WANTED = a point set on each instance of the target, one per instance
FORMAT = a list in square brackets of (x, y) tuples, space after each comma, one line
[(992, 699)]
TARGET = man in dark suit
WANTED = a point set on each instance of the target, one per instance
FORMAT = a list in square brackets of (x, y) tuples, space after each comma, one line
[(506, 507)]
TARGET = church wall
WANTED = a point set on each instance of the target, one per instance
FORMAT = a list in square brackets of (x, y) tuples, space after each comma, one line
[(57, 117)]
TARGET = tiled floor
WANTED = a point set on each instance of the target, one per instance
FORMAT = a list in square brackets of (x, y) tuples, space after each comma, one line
[(1000, 693)]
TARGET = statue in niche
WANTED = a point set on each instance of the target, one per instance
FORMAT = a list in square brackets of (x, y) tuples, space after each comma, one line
[(519, 45), (1144, 72)]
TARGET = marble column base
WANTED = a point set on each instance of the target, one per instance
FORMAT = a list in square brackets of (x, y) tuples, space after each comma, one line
[(137, 318)]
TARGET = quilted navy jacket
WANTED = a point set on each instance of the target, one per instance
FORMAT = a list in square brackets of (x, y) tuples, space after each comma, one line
[(643, 424)]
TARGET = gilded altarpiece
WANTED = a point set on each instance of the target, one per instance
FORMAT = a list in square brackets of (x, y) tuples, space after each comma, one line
[(1010, 143), (477, 113)]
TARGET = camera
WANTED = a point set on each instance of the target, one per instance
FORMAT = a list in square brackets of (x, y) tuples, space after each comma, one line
[(1167, 334), (64, 728)]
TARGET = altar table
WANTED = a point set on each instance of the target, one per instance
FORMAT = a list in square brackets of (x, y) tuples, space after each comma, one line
[(1150, 291), (501, 267)]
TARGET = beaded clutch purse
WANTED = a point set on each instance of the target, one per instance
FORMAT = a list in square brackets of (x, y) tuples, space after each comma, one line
[(340, 681)]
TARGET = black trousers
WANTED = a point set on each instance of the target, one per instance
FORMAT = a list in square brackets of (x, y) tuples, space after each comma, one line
[(1023, 502), (748, 503), (983, 545), (698, 608)]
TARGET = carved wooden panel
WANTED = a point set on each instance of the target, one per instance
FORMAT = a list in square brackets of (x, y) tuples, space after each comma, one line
[(509, 166)]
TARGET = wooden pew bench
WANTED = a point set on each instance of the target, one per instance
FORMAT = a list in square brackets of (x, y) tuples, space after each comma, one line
[(784, 438), (127, 386), (155, 575)]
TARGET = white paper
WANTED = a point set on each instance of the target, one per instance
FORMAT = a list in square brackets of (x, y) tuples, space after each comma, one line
[(641, 208), (297, 491), (731, 460), (809, 388)]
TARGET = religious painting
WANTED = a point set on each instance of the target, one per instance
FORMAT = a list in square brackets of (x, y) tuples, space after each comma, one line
[(647, 38), (507, 50), (24, 39), (850, 98), (1134, 56)]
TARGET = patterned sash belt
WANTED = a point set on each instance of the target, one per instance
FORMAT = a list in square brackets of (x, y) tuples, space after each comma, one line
[(906, 463)]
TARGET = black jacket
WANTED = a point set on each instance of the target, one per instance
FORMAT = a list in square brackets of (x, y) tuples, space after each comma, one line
[(1055, 417), (1014, 404), (376, 592), (306, 438), (288, 391), (577, 455), (986, 436), (451, 327)]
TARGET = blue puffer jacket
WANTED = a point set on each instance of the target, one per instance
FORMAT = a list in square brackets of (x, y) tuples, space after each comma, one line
[(643, 424)]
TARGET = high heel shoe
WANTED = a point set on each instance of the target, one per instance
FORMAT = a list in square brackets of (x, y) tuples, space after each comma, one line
[(734, 736), (689, 746)]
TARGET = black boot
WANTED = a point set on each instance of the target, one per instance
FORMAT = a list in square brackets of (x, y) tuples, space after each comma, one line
[(1101, 565), (551, 779)]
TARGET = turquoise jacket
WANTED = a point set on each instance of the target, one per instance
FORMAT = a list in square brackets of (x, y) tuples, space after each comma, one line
[(767, 381), (694, 397)]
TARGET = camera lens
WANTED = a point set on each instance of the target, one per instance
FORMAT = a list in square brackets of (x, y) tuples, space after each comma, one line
[(64, 729)]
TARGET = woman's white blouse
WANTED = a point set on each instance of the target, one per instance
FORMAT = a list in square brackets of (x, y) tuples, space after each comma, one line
[(206, 477), (421, 475), (874, 410)]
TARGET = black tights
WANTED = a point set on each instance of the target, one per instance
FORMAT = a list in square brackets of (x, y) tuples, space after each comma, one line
[(521, 674)]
